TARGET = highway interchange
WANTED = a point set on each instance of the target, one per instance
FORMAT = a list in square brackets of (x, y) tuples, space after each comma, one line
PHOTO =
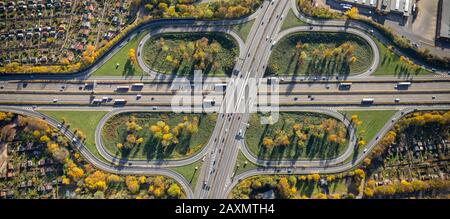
[(217, 177)]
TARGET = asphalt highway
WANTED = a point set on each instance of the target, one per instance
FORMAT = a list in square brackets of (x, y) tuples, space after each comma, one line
[(217, 175)]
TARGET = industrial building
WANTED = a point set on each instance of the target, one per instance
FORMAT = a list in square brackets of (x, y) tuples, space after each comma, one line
[(402, 7), (443, 21)]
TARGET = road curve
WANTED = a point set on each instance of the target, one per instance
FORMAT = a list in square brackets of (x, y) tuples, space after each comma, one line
[(336, 168), (344, 29), (85, 73), (130, 170), (361, 26), (304, 162), (139, 163), (183, 29)]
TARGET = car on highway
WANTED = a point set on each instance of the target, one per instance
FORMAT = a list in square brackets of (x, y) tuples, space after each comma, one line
[(55, 100), (365, 150), (274, 42), (367, 101)]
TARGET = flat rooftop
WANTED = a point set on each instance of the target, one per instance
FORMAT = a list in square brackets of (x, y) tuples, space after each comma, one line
[(402, 7), (444, 19), (368, 3)]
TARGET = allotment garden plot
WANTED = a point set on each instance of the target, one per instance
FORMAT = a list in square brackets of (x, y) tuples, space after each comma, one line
[(183, 53), (42, 163), (150, 136), (61, 33)]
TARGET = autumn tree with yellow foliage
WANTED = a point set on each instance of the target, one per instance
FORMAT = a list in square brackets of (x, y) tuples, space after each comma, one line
[(352, 13), (132, 56)]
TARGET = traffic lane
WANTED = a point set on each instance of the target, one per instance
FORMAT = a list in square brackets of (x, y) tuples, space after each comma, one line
[(357, 98), (213, 173), (161, 88), (100, 164), (87, 87), (87, 98), (223, 175), (362, 86), (169, 99)]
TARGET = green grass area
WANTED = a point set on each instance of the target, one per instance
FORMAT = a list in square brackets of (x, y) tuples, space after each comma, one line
[(126, 68), (115, 131), (303, 187), (324, 55), (244, 164), (314, 145), (311, 189), (182, 53), (292, 21), (189, 172), (372, 121), (85, 121), (244, 29), (390, 64)]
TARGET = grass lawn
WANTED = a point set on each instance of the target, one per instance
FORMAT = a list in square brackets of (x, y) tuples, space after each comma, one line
[(292, 21), (241, 159), (189, 172), (176, 55), (390, 64), (372, 121), (244, 29), (86, 121), (303, 188), (315, 144), (126, 68), (339, 186), (285, 56), (115, 131)]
